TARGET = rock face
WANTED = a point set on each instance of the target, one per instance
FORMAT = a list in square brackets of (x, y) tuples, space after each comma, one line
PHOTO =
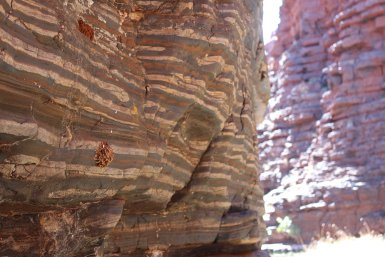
[(128, 128), (322, 141)]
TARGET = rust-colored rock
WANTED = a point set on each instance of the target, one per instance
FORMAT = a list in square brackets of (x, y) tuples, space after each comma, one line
[(86, 29), (322, 141), (104, 154), (174, 87)]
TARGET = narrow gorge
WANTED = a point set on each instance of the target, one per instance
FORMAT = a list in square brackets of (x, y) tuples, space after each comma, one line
[(149, 128)]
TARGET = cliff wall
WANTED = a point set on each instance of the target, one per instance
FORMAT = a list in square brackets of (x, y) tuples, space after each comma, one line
[(128, 128), (322, 141)]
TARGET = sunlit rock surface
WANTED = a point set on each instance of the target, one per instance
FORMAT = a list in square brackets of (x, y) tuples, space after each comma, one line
[(322, 141), (128, 128)]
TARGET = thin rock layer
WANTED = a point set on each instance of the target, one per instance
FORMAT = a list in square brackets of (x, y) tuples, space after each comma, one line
[(175, 90)]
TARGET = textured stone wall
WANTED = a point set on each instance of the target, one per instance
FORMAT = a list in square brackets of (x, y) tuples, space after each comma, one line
[(128, 128), (322, 141)]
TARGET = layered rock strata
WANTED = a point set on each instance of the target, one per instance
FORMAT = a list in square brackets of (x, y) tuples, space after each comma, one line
[(322, 141), (127, 128)]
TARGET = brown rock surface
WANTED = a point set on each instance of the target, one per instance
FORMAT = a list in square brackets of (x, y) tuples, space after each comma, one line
[(322, 141), (127, 128)]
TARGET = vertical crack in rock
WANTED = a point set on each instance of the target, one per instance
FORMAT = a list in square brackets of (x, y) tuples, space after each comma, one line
[(178, 195)]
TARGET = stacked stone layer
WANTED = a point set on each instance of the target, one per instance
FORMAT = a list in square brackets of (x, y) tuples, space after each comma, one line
[(322, 141), (175, 88)]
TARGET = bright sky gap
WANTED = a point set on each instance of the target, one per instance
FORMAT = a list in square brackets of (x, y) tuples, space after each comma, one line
[(270, 18)]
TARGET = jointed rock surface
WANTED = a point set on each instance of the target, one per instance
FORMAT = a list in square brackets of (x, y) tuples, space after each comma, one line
[(322, 142)]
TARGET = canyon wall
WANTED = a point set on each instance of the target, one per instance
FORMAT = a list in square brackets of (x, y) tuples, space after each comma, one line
[(128, 128), (322, 141)]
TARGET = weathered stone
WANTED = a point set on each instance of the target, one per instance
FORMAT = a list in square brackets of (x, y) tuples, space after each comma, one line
[(128, 127), (327, 107)]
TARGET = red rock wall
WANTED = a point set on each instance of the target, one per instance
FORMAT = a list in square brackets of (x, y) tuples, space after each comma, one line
[(322, 141)]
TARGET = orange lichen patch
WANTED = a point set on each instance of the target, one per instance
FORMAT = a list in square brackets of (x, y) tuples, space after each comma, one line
[(86, 29), (104, 154)]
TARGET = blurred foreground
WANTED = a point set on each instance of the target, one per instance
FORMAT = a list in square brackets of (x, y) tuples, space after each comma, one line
[(343, 247)]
